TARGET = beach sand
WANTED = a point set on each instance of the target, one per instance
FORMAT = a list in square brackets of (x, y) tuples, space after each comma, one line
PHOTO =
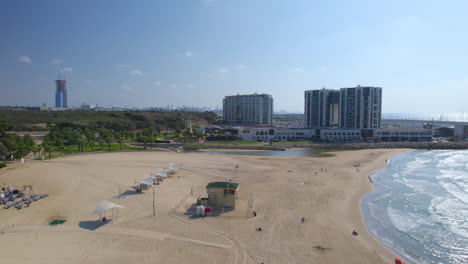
[(282, 190)]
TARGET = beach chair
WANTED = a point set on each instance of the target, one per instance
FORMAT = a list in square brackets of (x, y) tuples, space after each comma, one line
[(18, 206), (4, 201), (24, 199), (35, 199), (12, 198), (7, 206), (43, 196), (32, 195)]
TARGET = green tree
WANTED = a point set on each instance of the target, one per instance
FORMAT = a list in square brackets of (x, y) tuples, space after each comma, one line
[(3, 151), (90, 137), (106, 136), (120, 139), (69, 135), (48, 147), (35, 150), (101, 143)]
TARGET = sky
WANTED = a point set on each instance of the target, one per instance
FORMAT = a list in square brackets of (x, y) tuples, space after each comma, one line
[(156, 53)]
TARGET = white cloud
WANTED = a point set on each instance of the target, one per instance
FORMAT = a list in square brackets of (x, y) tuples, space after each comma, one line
[(25, 59), (56, 61), (136, 73), (189, 54), (157, 83), (226, 70), (223, 70), (126, 87), (297, 70), (172, 85), (67, 70), (190, 85)]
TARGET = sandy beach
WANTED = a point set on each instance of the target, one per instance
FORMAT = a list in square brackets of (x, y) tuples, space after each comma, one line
[(325, 191)]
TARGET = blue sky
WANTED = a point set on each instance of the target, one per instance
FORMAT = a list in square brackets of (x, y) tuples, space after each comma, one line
[(194, 52)]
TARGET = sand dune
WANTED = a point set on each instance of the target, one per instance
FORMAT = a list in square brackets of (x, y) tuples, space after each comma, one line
[(283, 189)]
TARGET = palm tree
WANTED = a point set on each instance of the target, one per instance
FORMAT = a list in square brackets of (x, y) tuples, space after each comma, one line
[(35, 150), (120, 139), (48, 148), (89, 133)]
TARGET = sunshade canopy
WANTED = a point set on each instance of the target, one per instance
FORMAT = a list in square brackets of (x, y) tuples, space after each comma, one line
[(162, 173), (173, 166), (149, 180), (104, 205)]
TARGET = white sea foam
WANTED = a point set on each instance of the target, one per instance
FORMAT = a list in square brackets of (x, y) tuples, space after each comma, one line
[(456, 191), (428, 205), (452, 214), (405, 222), (453, 160)]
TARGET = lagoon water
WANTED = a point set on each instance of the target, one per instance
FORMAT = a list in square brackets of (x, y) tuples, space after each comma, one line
[(283, 153), (419, 208)]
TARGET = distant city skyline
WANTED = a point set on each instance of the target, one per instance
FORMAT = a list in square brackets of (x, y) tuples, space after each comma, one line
[(157, 53)]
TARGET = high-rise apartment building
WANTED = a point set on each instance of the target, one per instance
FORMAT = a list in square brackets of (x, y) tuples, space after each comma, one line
[(354, 108), (360, 107), (251, 109), (321, 108), (61, 94)]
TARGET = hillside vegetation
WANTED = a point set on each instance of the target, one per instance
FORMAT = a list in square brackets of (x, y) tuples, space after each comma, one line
[(31, 120)]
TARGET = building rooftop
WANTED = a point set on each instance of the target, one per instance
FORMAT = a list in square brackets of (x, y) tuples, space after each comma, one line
[(255, 94), (224, 185)]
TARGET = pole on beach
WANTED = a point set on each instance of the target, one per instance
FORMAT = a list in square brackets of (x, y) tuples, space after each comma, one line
[(154, 209)]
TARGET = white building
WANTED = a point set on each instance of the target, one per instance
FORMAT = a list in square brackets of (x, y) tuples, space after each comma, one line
[(341, 135), (404, 135), (334, 134), (461, 131), (275, 134), (250, 109)]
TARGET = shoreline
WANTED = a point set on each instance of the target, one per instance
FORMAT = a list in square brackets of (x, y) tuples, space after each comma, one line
[(372, 191), (356, 216)]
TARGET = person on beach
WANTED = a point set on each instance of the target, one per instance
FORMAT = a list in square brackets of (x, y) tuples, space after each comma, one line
[(302, 220), (354, 233)]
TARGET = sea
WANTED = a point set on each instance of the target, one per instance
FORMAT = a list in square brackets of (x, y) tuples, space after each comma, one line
[(419, 207)]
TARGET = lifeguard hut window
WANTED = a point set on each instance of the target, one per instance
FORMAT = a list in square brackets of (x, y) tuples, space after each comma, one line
[(229, 191)]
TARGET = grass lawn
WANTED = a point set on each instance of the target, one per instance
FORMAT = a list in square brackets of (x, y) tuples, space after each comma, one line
[(3, 164), (227, 143), (74, 149)]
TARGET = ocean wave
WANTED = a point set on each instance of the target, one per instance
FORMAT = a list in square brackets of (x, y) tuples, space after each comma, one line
[(421, 204), (406, 222), (451, 214), (456, 190)]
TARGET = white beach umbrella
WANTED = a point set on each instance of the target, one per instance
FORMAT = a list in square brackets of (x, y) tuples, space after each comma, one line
[(173, 166), (149, 180), (162, 173)]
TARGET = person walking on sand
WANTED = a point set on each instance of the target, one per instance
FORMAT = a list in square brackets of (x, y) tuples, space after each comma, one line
[(302, 220)]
